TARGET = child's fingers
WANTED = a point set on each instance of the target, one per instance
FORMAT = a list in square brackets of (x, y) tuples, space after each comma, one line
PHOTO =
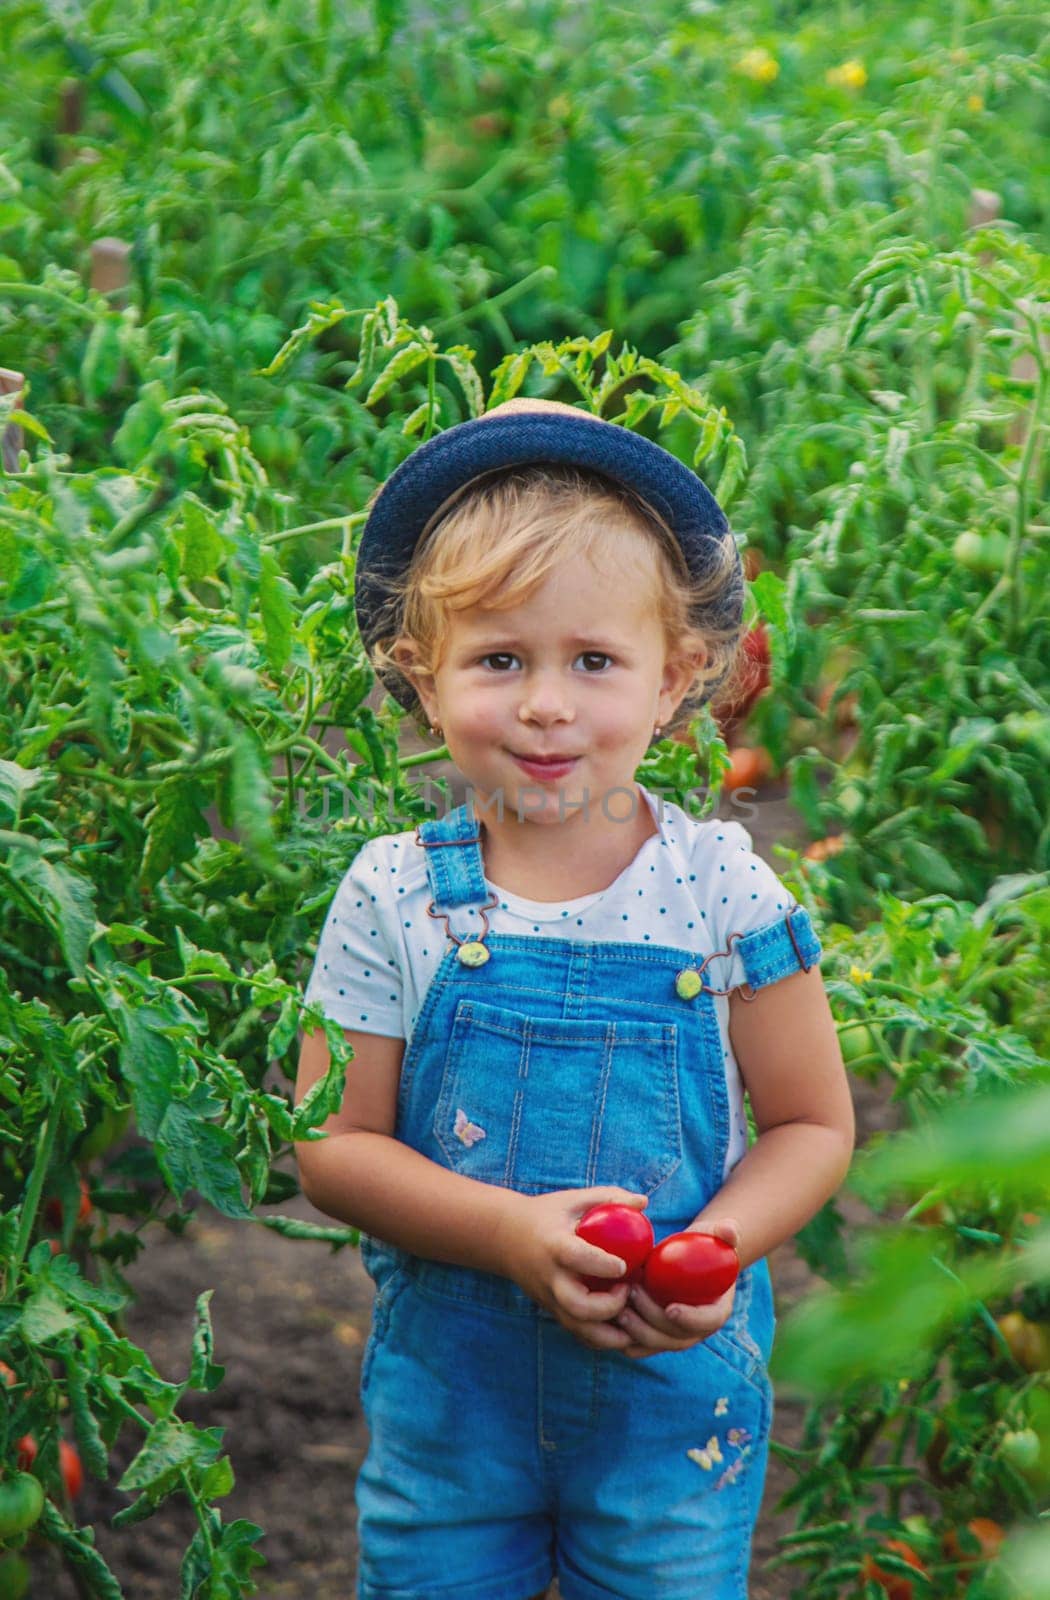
[(591, 1305), (584, 1199), (680, 1321)]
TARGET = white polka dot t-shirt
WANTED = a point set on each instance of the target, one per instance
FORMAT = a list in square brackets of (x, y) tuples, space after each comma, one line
[(690, 885)]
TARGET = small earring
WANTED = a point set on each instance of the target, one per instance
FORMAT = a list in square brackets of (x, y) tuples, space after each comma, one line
[(657, 731), (434, 728)]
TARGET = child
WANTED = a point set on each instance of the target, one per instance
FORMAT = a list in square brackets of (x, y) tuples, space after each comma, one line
[(556, 995)]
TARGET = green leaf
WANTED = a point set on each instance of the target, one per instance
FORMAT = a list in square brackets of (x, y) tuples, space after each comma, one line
[(46, 1316), (101, 360), (195, 1154), (173, 826), (251, 797), (509, 377), (77, 1545), (296, 1228), (204, 1373), (149, 1062), (277, 608), (16, 782), (323, 315), (399, 366), (170, 1447), (200, 545), (65, 903), (1001, 1138), (881, 1326)]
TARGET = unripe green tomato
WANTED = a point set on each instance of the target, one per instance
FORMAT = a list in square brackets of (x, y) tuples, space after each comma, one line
[(850, 801), (858, 1045), (979, 552), (21, 1502), (1021, 1450), (14, 1578), (106, 1131)]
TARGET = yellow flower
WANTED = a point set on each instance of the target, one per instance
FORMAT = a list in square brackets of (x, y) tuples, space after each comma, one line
[(974, 102), (759, 65), (858, 975), (851, 75)]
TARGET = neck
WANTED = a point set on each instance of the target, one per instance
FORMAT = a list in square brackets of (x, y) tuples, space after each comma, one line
[(563, 859)]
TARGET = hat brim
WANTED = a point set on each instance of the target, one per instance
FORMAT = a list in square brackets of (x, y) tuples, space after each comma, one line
[(432, 475)]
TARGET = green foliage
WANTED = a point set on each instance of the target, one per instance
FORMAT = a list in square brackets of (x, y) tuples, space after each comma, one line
[(753, 236)]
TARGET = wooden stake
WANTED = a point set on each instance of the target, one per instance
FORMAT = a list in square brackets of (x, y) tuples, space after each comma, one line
[(11, 443), (111, 267)]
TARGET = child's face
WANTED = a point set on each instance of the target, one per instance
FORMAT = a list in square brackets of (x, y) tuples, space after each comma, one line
[(577, 670)]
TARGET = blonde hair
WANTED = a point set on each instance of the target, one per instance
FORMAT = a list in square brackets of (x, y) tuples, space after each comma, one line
[(507, 530)]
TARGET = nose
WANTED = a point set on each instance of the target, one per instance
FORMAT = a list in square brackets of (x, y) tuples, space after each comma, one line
[(545, 701)]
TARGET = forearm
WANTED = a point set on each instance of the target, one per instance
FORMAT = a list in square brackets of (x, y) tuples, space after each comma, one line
[(374, 1182), (782, 1181)]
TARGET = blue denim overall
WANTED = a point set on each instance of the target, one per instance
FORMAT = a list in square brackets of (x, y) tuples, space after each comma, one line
[(502, 1448)]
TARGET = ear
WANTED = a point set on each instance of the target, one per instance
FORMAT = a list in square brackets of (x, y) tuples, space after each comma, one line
[(679, 673), (406, 652)]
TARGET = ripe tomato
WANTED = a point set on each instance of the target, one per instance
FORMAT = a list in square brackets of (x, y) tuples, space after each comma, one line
[(747, 769), (21, 1502), (821, 849), (896, 1585), (987, 1534), (690, 1269), (1028, 1341), (72, 1470), (53, 1207), (623, 1232), (26, 1449)]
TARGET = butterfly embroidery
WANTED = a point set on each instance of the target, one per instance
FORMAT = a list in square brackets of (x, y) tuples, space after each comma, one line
[(708, 1456), (467, 1131)]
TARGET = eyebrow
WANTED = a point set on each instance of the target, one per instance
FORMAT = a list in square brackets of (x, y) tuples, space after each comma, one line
[(578, 641)]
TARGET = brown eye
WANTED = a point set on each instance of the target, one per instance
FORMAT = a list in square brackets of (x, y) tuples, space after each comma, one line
[(595, 655)]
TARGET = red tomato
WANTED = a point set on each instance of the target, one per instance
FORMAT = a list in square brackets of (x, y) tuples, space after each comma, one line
[(624, 1232), (26, 1448), (53, 1207), (690, 1269), (72, 1471), (897, 1586)]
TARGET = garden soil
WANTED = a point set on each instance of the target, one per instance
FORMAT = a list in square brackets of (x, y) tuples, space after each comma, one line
[(290, 1321)]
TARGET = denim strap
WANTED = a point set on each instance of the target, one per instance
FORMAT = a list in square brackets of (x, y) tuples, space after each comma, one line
[(455, 866), (787, 945)]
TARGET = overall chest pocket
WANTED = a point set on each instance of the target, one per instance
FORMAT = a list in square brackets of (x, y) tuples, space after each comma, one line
[(537, 1104)]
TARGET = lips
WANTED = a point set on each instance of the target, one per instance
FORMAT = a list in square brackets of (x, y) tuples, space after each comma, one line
[(547, 767)]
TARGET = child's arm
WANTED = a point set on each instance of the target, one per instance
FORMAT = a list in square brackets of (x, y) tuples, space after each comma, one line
[(788, 1052), (787, 1049), (364, 1176)]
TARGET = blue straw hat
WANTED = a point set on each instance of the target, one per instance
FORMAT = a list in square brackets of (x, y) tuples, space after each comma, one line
[(520, 432)]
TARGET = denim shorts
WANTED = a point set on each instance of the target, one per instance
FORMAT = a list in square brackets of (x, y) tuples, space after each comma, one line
[(636, 1479)]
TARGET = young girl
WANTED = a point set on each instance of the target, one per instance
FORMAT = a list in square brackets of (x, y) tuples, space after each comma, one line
[(557, 995)]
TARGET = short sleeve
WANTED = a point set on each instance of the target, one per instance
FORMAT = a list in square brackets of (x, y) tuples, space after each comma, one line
[(776, 935), (355, 979)]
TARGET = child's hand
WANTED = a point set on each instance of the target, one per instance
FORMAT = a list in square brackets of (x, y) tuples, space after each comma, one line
[(545, 1256), (654, 1328)]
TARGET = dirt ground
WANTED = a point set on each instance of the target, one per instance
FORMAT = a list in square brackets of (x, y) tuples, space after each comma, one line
[(290, 1321)]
